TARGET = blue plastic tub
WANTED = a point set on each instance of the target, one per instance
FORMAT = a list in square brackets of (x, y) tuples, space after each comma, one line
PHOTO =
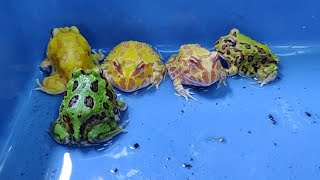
[(170, 131)]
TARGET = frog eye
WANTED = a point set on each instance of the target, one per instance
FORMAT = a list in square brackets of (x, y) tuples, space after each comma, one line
[(193, 60), (116, 64), (141, 66), (231, 42)]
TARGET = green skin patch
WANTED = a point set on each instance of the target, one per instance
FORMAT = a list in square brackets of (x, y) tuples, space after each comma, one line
[(247, 57), (89, 110)]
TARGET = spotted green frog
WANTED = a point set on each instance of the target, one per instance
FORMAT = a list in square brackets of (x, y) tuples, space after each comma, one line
[(196, 66), (247, 57), (89, 111)]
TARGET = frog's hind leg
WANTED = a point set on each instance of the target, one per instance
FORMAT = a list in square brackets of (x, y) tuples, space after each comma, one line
[(103, 132), (266, 73), (177, 83), (52, 85)]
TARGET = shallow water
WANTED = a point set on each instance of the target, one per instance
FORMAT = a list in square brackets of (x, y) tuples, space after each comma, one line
[(172, 132)]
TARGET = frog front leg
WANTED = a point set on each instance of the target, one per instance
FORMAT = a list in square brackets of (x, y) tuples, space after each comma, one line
[(233, 70), (105, 131), (177, 83), (97, 56), (54, 84), (266, 73)]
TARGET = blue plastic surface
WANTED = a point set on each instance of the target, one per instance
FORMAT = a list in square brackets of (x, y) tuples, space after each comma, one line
[(169, 130)]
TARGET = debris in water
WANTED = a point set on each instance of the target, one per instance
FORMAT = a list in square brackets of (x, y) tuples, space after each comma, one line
[(185, 165), (308, 114), (168, 159), (249, 132), (272, 119), (114, 170), (220, 139), (135, 146), (275, 144), (182, 111), (243, 87)]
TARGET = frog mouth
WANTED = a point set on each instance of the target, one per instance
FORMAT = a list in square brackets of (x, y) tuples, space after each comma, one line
[(197, 83), (142, 85)]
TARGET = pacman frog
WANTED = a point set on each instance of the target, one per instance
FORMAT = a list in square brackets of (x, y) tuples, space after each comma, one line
[(132, 65), (196, 66), (66, 51), (89, 110)]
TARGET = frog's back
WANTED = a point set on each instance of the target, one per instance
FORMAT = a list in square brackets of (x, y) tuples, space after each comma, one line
[(133, 50)]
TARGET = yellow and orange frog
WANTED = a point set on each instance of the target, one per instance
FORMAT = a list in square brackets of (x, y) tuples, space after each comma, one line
[(132, 65), (67, 50), (196, 66)]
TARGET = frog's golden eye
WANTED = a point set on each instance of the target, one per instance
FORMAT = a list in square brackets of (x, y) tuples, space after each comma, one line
[(231, 42), (193, 60), (117, 66), (141, 66)]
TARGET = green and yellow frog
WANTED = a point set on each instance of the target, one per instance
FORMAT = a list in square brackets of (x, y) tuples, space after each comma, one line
[(247, 57), (132, 65), (66, 51), (89, 110), (196, 66)]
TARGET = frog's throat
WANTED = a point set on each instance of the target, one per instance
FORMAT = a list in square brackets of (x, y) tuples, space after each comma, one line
[(197, 83), (126, 88)]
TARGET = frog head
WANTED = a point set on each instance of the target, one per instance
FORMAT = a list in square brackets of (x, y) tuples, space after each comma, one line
[(129, 75), (200, 67), (229, 47), (73, 29)]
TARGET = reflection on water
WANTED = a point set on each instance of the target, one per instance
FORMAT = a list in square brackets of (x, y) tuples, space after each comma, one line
[(66, 167)]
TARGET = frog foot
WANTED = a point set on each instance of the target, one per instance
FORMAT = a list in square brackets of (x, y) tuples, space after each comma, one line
[(52, 85), (222, 78), (156, 80), (97, 56), (233, 70), (46, 66), (177, 83), (105, 137), (265, 74)]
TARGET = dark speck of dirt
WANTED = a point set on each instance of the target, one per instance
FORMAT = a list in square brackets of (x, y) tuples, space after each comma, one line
[(216, 104), (136, 145), (275, 144), (272, 119), (308, 114), (249, 132), (188, 166), (243, 87), (168, 159), (182, 111), (191, 159), (21, 174), (46, 154), (114, 170), (278, 78)]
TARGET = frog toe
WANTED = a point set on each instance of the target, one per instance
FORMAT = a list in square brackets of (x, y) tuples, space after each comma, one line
[(51, 86)]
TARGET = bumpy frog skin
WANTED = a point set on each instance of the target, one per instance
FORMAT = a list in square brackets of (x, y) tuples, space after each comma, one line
[(247, 57), (195, 66), (133, 65), (66, 51), (89, 111)]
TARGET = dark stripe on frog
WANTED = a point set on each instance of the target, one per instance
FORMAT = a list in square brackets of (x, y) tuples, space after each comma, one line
[(246, 45), (75, 85), (73, 100), (69, 127), (88, 101), (94, 86), (90, 122)]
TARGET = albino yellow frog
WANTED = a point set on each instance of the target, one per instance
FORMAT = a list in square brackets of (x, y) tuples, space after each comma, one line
[(195, 66), (132, 65), (67, 50)]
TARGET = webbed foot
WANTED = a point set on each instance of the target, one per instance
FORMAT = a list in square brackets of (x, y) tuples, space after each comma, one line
[(266, 74), (181, 91), (52, 85)]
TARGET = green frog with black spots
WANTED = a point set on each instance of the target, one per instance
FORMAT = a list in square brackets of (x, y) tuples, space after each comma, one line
[(89, 111), (247, 57)]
